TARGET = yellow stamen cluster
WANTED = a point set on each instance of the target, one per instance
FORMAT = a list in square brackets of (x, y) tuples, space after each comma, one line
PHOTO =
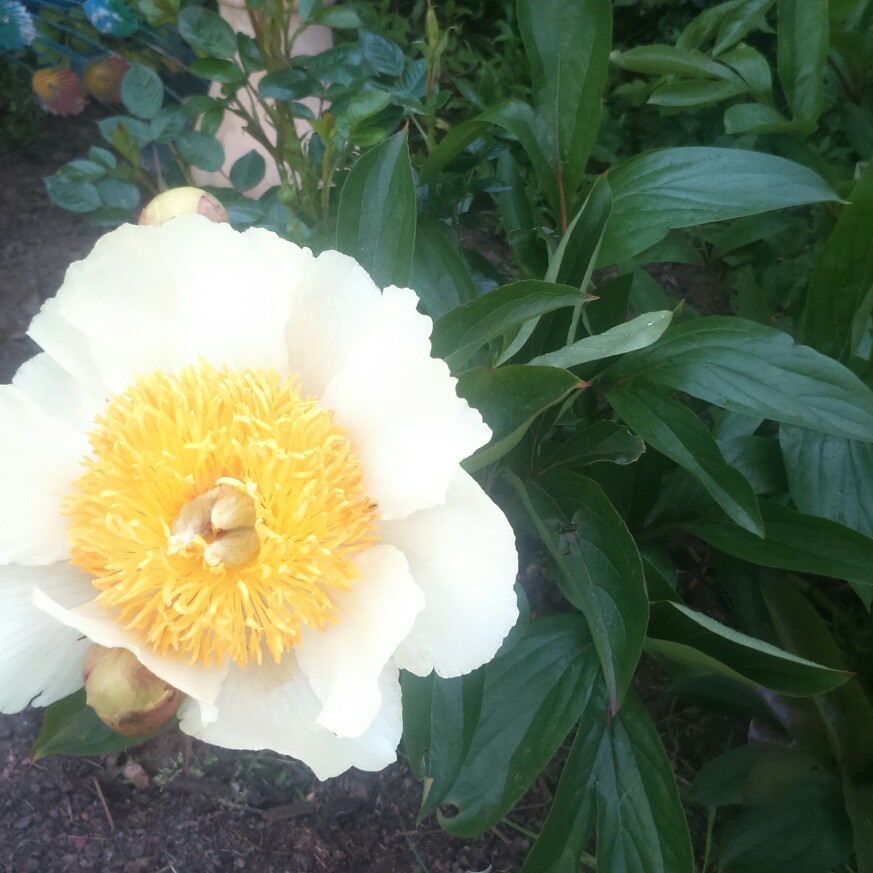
[(218, 512)]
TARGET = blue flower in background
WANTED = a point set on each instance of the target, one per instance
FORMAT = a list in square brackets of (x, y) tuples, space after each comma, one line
[(17, 29), (110, 17)]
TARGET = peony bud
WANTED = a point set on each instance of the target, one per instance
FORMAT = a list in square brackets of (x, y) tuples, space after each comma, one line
[(60, 91), (103, 78), (183, 201), (127, 696)]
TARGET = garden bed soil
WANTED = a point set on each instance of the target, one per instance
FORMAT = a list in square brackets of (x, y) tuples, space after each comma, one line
[(139, 811)]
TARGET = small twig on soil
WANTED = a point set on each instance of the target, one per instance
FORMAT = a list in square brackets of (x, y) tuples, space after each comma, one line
[(103, 803)]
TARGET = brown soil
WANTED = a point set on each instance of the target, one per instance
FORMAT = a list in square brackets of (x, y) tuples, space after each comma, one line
[(234, 811)]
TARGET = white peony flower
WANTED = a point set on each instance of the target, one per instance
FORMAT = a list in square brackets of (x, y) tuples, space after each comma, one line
[(240, 463)]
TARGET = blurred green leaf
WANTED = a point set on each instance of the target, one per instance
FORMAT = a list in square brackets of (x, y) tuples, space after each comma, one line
[(739, 20), (674, 430), (829, 476), (640, 822), (248, 170), (667, 60), (71, 727), (206, 32), (802, 51), (635, 334), (684, 187), (797, 542), (567, 44), (142, 91), (806, 830), (843, 276), (694, 94), (461, 332), (376, 220), (599, 568), (689, 634), (118, 194), (747, 367), (74, 196), (200, 150), (533, 693), (510, 398), (600, 442), (573, 260), (383, 55), (218, 70), (440, 275)]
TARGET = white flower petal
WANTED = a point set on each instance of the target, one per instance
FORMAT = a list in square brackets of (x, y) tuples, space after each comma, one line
[(331, 304), (58, 393), (463, 556), (41, 659), (40, 457), (150, 298), (407, 425), (272, 706), (103, 627), (344, 661)]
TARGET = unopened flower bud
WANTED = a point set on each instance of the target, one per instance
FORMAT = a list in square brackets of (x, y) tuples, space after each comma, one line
[(103, 78), (183, 201), (127, 696)]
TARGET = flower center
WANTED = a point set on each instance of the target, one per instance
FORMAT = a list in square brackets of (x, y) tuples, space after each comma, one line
[(218, 512)]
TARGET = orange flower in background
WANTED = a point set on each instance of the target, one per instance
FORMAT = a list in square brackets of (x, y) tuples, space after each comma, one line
[(60, 91), (103, 78)]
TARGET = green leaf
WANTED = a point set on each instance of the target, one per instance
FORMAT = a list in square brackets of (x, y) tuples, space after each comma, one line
[(635, 334), (72, 195), (383, 55), (289, 84), (599, 442), (740, 20), (168, 124), (745, 118), (248, 170), (802, 49), (366, 104), (675, 431), (138, 132), (118, 194), (757, 370), (574, 258), (599, 568), (225, 72), (211, 121), (859, 805), (694, 94), (830, 477), (797, 542), (510, 398), (440, 275), (533, 693), (759, 459), (666, 60), (376, 220), (804, 831), (142, 91), (640, 822), (567, 45), (200, 150), (684, 187), (745, 657), (338, 17), (754, 69), (564, 836), (206, 32), (518, 120), (846, 712), (417, 692), (754, 773), (71, 727), (842, 277), (461, 332), (517, 217)]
